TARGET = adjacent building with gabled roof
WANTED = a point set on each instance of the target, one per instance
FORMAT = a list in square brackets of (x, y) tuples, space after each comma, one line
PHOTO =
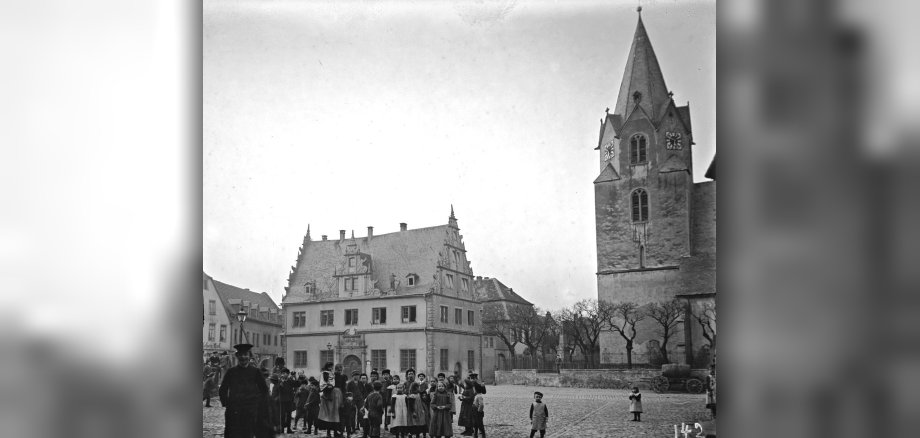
[(655, 226), (262, 328), (397, 300), (497, 301)]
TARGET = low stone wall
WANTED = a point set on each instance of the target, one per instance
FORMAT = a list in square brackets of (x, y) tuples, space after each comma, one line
[(604, 378)]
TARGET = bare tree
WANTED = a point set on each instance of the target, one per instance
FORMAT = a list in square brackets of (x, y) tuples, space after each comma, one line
[(495, 322), (622, 319), (667, 315), (536, 329), (584, 322), (706, 317)]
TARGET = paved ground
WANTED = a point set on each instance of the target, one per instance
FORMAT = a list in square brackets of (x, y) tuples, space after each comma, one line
[(573, 412)]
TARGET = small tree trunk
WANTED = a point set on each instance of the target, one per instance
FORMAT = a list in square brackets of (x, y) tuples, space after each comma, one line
[(629, 349)]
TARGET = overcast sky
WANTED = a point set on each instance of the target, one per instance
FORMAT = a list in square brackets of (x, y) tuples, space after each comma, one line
[(344, 115)]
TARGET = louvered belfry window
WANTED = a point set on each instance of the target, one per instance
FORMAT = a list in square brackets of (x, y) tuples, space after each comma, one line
[(637, 149)]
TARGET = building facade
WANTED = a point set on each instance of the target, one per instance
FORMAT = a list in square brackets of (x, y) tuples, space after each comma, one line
[(655, 226), (262, 327), (396, 300), (217, 325)]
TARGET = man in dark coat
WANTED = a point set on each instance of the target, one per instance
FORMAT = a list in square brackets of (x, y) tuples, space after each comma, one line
[(244, 393)]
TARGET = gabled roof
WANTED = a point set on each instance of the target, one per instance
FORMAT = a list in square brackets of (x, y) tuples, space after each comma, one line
[(607, 175), (673, 164), (487, 289), (642, 74), (400, 253), (615, 121), (257, 300)]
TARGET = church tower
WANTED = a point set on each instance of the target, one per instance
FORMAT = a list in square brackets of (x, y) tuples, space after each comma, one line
[(644, 189)]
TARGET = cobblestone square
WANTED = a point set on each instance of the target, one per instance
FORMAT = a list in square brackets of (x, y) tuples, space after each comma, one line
[(573, 412)]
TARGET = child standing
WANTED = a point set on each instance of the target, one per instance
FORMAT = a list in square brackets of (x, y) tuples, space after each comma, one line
[(635, 404), (478, 412), (349, 411), (539, 413)]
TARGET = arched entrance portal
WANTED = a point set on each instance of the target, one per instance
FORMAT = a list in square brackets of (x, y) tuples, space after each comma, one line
[(351, 363)]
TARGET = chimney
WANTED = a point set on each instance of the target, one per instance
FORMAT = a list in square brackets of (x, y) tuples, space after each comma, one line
[(402, 226), (478, 278), (325, 237), (341, 235), (370, 232)]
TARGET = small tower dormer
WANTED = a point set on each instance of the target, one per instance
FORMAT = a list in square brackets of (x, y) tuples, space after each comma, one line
[(354, 274)]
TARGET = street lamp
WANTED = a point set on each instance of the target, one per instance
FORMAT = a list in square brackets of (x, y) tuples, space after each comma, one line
[(241, 317)]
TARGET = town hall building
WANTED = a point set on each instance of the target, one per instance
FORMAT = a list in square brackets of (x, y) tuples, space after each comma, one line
[(655, 226), (398, 300)]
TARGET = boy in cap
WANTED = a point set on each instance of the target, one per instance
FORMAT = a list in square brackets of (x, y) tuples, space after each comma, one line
[(539, 413), (245, 394)]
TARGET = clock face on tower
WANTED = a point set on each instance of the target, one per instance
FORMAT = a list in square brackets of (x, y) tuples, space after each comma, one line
[(674, 141), (608, 150)]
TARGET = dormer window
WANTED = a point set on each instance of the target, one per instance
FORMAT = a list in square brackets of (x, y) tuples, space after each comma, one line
[(351, 262), (638, 145), (412, 280)]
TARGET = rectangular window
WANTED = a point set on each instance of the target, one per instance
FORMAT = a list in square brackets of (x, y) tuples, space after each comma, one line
[(300, 319), (380, 315), (223, 333), (351, 262), (471, 359), (276, 340), (470, 317), (406, 360), (326, 318), (458, 316), (379, 359), (351, 316), (464, 285), (348, 283), (300, 359), (450, 280), (456, 258), (211, 332), (408, 314), (444, 314), (326, 356), (212, 307), (444, 360)]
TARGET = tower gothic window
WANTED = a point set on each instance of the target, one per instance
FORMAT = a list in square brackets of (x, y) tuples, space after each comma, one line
[(639, 205), (637, 149)]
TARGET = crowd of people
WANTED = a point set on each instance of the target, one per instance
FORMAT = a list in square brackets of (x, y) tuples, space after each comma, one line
[(263, 403)]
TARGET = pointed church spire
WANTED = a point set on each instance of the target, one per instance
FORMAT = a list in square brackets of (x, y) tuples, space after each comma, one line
[(452, 211), (308, 231), (643, 83)]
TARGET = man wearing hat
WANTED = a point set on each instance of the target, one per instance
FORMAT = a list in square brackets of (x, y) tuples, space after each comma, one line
[(480, 388), (244, 393)]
